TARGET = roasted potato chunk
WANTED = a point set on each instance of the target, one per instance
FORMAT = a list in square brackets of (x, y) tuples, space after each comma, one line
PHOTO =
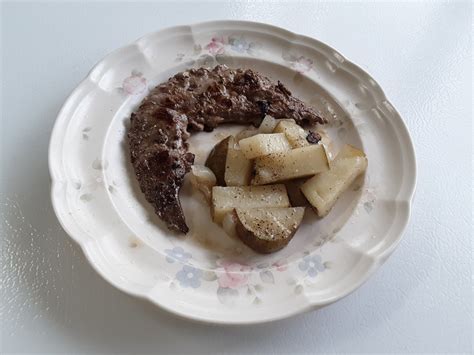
[(225, 199), (295, 163), (323, 190), (229, 164), (268, 125), (202, 179), (264, 144), (295, 134), (216, 160), (237, 167), (293, 187), (246, 133), (267, 230)]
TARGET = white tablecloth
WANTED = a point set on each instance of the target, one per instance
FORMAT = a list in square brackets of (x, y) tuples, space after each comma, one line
[(419, 301)]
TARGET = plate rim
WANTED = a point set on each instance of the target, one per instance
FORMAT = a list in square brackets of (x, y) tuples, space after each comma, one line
[(378, 259)]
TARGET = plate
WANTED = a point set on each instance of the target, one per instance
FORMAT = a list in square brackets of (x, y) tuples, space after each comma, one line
[(209, 276)]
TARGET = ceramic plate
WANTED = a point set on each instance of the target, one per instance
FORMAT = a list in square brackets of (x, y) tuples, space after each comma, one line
[(209, 276)]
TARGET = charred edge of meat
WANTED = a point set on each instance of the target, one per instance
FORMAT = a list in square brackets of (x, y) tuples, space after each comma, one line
[(313, 137), (264, 106)]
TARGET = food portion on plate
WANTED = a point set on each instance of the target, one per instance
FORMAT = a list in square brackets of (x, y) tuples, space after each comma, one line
[(245, 177), (267, 230), (192, 101), (226, 199), (269, 178), (323, 190)]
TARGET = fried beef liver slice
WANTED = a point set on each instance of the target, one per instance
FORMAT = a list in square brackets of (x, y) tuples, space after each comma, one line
[(192, 101)]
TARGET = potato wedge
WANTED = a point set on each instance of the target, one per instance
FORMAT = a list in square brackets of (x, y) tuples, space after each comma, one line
[(295, 134), (323, 190), (264, 144), (328, 144), (216, 160), (246, 133), (203, 179), (225, 199), (267, 230), (296, 163), (268, 125), (297, 199), (229, 224), (237, 167), (349, 151)]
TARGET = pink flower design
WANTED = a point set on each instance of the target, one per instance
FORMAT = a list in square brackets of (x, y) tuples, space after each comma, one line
[(216, 46), (302, 64), (134, 84), (233, 275), (281, 265)]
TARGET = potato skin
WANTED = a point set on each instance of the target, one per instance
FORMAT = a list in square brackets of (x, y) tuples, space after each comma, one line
[(259, 245), (297, 199), (216, 160)]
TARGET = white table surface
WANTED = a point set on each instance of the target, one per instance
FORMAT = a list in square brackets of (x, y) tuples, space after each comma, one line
[(419, 301)]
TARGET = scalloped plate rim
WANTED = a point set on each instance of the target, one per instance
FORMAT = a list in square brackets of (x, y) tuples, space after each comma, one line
[(73, 232)]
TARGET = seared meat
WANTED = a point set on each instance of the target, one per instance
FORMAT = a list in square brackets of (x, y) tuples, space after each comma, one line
[(196, 100)]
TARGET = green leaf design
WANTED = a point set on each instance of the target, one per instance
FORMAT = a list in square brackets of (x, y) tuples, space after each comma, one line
[(86, 197), (288, 56), (99, 164), (179, 57), (298, 289), (197, 49), (76, 184), (209, 276), (267, 277), (327, 264), (227, 295), (213, 260), (368, 206), (254, 48)]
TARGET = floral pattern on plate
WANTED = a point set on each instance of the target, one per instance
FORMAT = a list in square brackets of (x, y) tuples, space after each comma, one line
[(89, 126), (300, 63), (177, 254), (219, 45), (234, 279), (134, 84), (189, 276), (235, 43)]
